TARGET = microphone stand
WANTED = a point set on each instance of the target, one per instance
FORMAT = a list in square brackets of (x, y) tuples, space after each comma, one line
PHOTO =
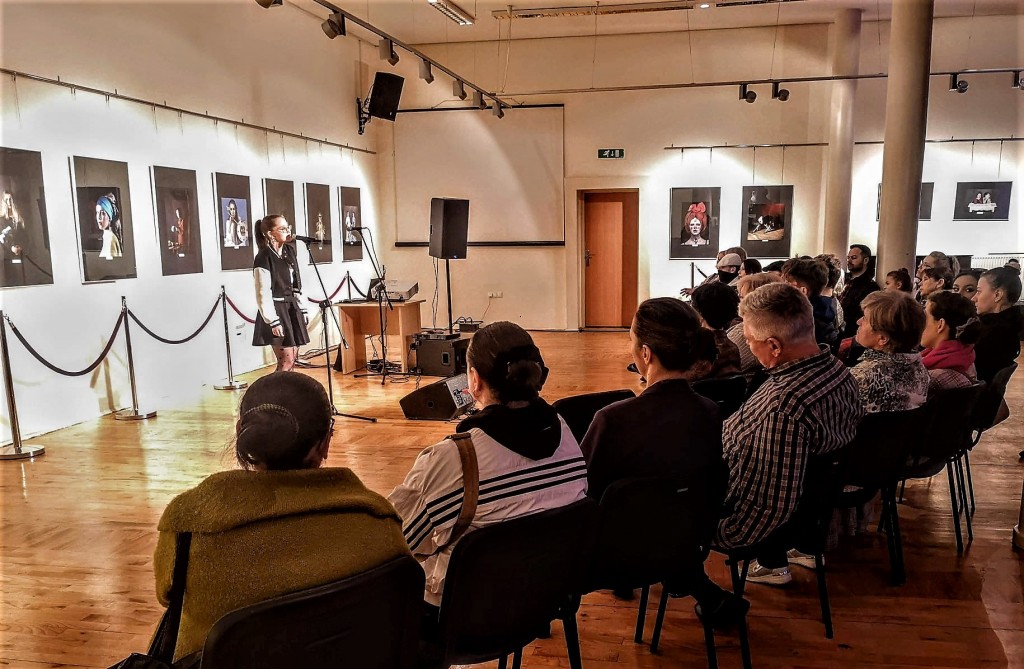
[(325, 306), (382, 299)]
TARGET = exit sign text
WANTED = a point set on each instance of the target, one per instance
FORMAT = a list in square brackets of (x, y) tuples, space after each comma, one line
[(611, 153)]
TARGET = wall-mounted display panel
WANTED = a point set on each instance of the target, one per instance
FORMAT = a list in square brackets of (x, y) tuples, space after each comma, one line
[(177, 221), (24, 235), (279, 199), (924, 211), (982, 200), (694, 222), (318, 222), (233, 204), (351, 218), (103, 207), (768, 219)]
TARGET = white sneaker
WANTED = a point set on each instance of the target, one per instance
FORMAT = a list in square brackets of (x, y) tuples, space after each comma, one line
[(802, 559), (768, 576)]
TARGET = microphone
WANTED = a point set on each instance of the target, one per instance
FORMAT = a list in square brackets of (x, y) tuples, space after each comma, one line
[(310, 240)]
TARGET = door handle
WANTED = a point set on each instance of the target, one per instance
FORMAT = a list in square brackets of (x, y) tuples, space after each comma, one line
[(587, 255)]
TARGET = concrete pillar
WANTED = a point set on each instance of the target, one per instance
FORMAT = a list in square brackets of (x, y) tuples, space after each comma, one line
[(844, 56), (906, 121)]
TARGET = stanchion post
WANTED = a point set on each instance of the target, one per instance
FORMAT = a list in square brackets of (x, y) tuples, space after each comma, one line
[(133, 413), (231, 383), (15, 450)]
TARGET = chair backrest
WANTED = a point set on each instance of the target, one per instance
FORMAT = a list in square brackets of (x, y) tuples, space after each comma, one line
[(368, 621), (987, 407), (507, 581), (649, 528), (822, 486), (578, 410), (728, 392), (880, 450), (947, 428)]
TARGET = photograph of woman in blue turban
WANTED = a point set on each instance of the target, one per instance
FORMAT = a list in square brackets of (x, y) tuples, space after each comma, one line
[(108, 220)]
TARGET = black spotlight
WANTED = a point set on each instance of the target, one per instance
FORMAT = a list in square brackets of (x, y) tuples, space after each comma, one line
[(779, 93), (267, 4), (1017, 82), (957, 84), (747, 94), (334, 25)]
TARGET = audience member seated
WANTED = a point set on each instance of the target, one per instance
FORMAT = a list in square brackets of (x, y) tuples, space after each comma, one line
[(966, 282), (889, 375), (728, 269), (749, 365), (936, 260), (948, 353), (717, 305), (859, 283), (998, 335), (809, 406), (716, 276), (280, 524), (528, 459), (668, 430), (750, 266), (1014, 264), (810, 277), (899, 279), (933, 279), (832, 287)]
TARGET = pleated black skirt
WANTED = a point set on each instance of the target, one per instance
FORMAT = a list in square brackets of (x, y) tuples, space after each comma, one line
[(292, 322)]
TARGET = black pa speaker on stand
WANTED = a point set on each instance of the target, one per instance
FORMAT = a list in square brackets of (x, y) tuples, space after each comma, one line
[(382, 100), (449, 228)]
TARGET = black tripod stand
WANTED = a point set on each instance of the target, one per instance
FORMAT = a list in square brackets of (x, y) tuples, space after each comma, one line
[(382, 299), (325, 307)]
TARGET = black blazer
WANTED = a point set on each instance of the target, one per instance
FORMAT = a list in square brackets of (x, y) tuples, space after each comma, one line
[(669, 430), (998, 343)]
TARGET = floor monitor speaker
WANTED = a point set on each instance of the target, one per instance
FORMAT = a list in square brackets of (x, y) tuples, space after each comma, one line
[(442, 400), (441, 357), (449, 226), (385, 94)]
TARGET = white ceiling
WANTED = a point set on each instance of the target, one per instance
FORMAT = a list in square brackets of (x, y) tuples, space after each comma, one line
[(416, 22)]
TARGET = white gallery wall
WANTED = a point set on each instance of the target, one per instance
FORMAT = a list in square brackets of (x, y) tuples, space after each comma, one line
[(231, 59)]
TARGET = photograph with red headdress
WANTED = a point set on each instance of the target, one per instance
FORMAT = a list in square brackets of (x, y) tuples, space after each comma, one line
[(694, 222)]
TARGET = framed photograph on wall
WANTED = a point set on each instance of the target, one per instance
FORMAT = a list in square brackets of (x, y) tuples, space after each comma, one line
[(177, 221), (279, 198), (103, 206), (318, 222), (768, 212), (694, 222), (234, 225), (24, 235), (924, 211), (982, 200), (351, 217)]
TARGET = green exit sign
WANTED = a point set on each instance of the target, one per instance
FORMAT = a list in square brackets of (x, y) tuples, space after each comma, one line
[(611, 153)]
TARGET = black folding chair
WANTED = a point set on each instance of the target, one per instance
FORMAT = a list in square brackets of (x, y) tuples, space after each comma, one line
[(874, 462), (656, 530), (728, 392), (578, 411), (505, 584), (983, 417), (368, 621)]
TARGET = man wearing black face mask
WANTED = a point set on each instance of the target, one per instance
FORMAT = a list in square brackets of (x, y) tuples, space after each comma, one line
[(729, 268)]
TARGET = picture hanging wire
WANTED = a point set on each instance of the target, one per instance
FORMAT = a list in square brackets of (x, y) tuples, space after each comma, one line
[(782, 178), (972, 154), (999, 165), (753, 168)]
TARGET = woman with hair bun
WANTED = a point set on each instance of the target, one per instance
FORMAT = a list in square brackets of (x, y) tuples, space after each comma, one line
[(518, 439), (948, 349), (281, 321), (999, 326), (279, 524)]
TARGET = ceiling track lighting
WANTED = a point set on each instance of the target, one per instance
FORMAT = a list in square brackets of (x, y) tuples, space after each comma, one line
[(478, 100), (334, 25), (459, 89), (453, 12), (957, 84), (387, 51), (425, 73), (779, 93), (267, 4), (497, 111), (1017, 82), (746, 94)]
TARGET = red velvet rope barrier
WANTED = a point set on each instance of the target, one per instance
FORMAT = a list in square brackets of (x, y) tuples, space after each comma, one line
[(331, 296), (239, 311)]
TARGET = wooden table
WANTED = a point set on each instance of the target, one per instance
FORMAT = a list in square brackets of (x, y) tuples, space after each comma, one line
[(361, 319)]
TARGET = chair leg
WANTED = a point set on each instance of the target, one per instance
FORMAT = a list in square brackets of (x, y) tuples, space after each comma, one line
[(899, 568), (826, 608), (503, 662), (964, 506), (709, 644), (517, 659), (572, 641), (744, 643), (955, 511), (659, 620), (903, 489), (737, 582), (890, 538), (970, 481), (641, 614)]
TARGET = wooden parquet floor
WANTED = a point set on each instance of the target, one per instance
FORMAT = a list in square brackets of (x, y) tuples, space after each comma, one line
[(78, 531)]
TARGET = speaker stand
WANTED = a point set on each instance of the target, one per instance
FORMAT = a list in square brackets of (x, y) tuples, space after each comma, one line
[(448, 289)]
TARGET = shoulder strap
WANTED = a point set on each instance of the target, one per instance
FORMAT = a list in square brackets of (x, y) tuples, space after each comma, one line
[(470, 486), (166, 638)]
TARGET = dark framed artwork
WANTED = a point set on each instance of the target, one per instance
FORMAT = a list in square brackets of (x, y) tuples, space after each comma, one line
[(105, 232), (177, 221), (351, 218), (768, 212), (234, 225), (318, 223), (24, 234), (925, 210), (279, 198), (982, 201), (694, 222)]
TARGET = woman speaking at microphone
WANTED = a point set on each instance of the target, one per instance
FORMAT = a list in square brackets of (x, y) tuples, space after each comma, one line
[(281, 323)]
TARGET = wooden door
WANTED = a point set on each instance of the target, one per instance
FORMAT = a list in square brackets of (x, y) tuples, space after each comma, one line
[(610, 222)]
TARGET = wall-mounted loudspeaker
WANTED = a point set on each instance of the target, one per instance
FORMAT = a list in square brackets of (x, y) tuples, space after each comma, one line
[(449, 226), (385, 94)]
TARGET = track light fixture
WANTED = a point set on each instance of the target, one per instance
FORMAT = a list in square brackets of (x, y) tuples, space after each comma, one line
[(425, 73), (267, 4), (459, 89), (497, 111), (957, 84), (1017, 82), (747, 94), (334, 25), (387, 51), (779, 93), (478, 100)]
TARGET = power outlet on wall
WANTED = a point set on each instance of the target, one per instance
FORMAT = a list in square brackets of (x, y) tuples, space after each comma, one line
[(495, 293)]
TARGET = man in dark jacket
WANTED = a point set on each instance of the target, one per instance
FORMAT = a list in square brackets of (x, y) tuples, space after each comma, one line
[(859, 284), (810, 277)]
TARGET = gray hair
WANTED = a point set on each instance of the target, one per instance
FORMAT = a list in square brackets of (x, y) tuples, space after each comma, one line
[(778, 310)]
